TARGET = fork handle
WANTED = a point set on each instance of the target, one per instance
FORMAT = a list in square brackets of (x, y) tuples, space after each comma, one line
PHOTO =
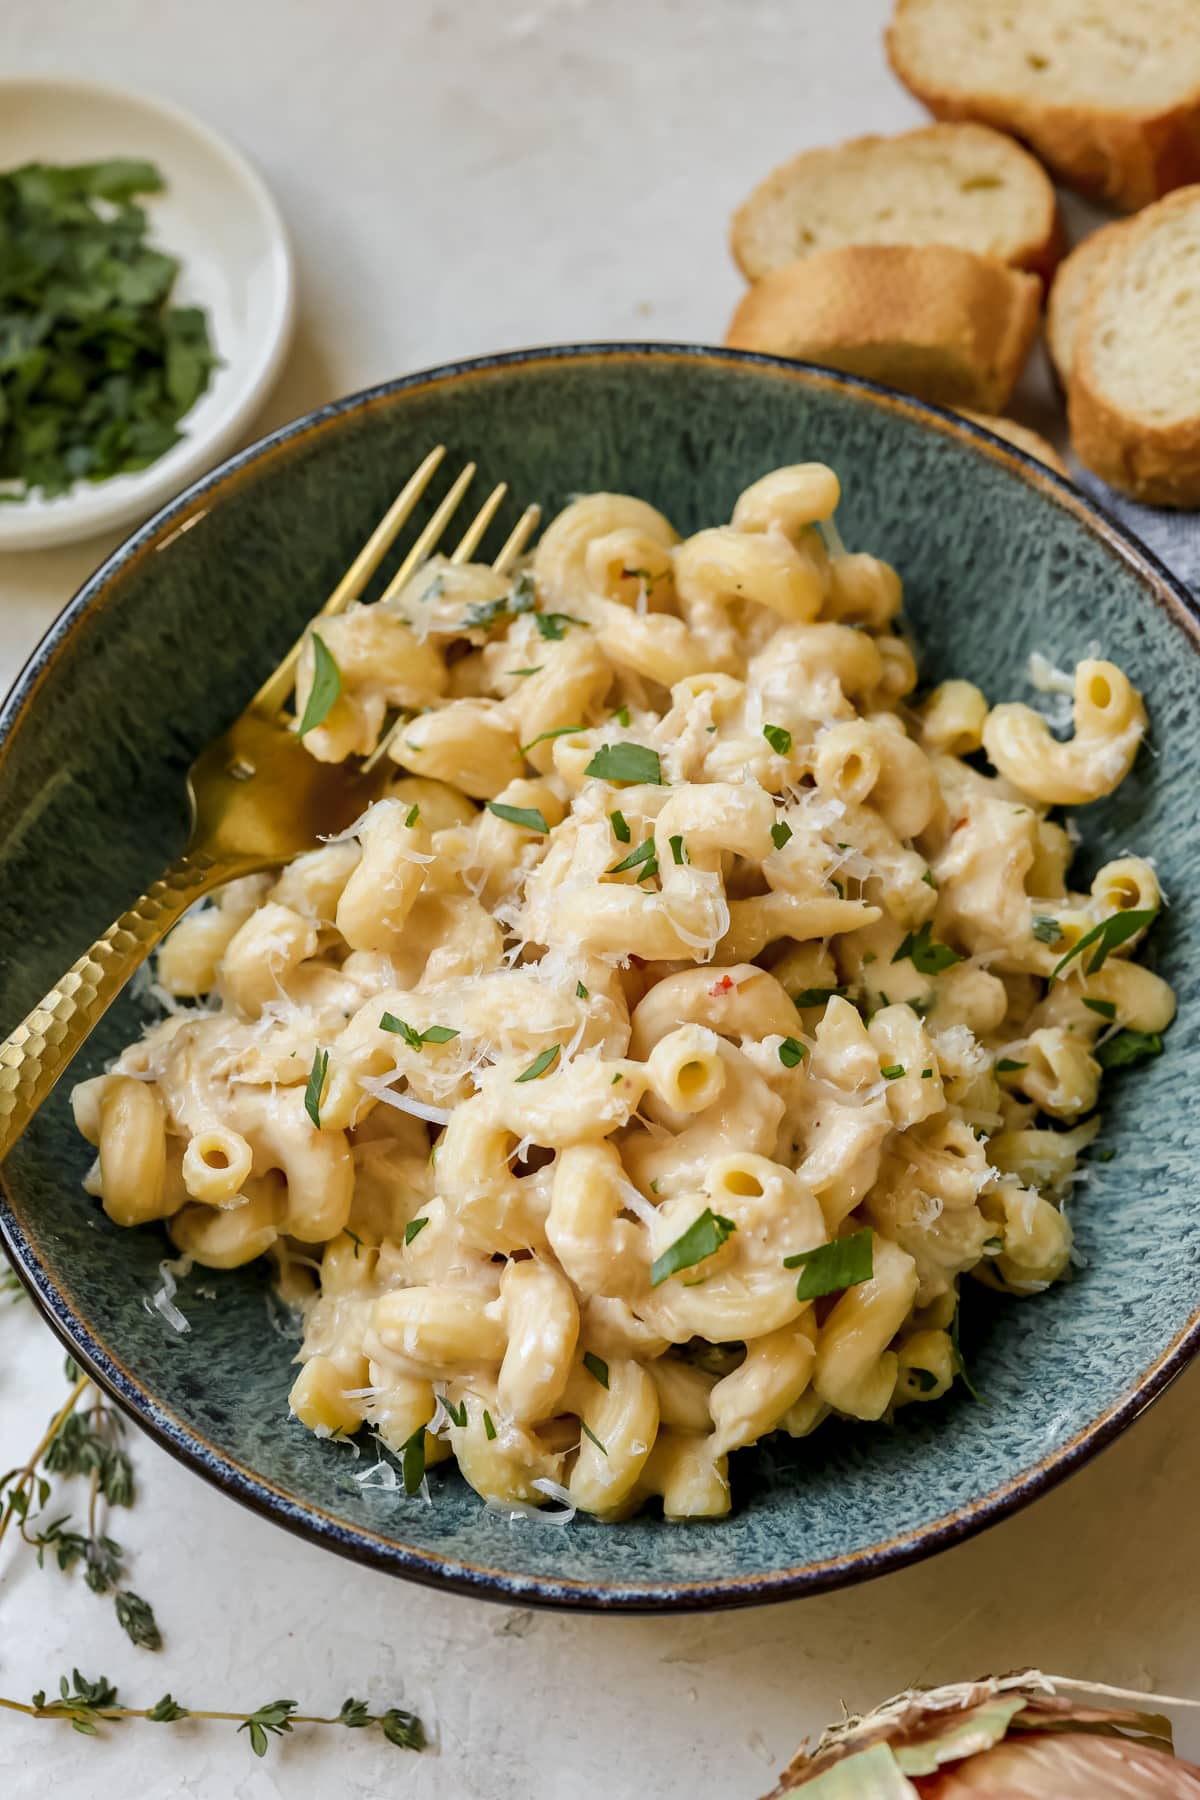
[(35, 1054)]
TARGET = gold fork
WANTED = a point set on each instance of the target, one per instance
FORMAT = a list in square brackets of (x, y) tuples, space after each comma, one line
[(257, 798)]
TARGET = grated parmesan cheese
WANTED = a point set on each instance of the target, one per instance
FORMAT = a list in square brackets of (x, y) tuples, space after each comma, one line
[(162, 1300)]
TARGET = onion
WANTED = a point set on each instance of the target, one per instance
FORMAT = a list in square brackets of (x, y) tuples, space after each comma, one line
[(1013, 1737)]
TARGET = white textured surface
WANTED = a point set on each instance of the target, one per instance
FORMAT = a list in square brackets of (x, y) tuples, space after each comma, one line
[(462, 176)]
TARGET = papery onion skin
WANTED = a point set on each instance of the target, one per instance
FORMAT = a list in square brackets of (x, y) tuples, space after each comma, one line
[(1071, 1766), (1006, 1737)]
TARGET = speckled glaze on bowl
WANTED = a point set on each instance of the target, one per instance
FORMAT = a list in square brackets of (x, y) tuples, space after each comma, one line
[(169, 639)]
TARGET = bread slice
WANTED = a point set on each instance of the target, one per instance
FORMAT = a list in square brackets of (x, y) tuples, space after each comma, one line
[(1107, 92), (1069, 291), (1134, 393), (1023, 436), (942, 323), (945, 184)]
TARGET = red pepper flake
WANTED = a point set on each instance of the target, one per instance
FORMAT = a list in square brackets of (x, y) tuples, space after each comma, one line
[(721, 987)]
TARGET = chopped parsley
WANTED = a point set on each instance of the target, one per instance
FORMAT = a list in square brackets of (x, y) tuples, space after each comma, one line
[(540, 1064), (98, 368), (412, 1460), (553, 625), (627, 762), (483, 614), (959, 1365), (927, 878), (436, 1034), (457, 1414), (643, 857), (414, 1228), (892, 1071), (327, 685), (816, 996), (581, 992), (703, 1237), (535, 670), (831, 1267), (529, 818), (1046, 929), (622, 717), (781, 831), (596, 1367), (620, 825), (1008, 1066), (544, 737), (521, 598), (316, 1086), (791, 1052), (779, 739), (678, 850), (926, 1074), (1105, 1008), (927, 957), (1118, 928), (413, 814), (488, 1426), (1129, 1048)]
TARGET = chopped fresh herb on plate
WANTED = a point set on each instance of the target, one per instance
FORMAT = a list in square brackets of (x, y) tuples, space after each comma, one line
[(97, 368)]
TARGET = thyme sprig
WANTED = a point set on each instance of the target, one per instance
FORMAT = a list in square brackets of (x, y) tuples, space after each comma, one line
[(87, 1705), (82, 1439), (80, 1442)]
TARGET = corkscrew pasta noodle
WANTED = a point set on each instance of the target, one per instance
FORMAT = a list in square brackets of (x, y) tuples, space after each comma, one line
[(646, 1070)]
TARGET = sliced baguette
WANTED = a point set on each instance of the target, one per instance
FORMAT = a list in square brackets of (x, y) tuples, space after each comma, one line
[(946, 184), (1023, 436), (1069, 291), (942, 323), (1107, 92), (1134, 392)]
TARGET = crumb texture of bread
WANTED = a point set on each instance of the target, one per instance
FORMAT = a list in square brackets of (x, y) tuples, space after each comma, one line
[(940, 323), (1023, 436), (1107, 92), (964, 185), (1134, 393), (1069, 290)]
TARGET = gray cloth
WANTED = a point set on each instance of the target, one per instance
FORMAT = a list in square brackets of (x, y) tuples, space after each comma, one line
[(1174, 537)]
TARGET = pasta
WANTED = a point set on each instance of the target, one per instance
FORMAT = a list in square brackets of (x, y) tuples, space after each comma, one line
[(694, 1011)]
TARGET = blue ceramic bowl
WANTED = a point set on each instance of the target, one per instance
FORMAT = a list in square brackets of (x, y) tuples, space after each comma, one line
[(165, 644)]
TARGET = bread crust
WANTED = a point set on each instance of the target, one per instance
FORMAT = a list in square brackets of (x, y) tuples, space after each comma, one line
[(1039, 250), (936, 321), (1064, 308), (1023, 436), (1127, 158), (1157, 464)]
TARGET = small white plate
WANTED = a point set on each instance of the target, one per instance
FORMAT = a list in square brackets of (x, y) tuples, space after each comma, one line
[(217, 218)]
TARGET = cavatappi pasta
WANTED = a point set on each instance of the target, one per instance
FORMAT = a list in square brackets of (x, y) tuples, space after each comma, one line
[(649, 1066)]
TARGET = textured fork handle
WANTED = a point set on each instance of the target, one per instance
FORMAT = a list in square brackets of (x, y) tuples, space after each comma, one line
[(35, 1054)]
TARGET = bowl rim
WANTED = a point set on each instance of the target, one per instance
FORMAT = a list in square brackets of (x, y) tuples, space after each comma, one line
[(432, 1568)]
